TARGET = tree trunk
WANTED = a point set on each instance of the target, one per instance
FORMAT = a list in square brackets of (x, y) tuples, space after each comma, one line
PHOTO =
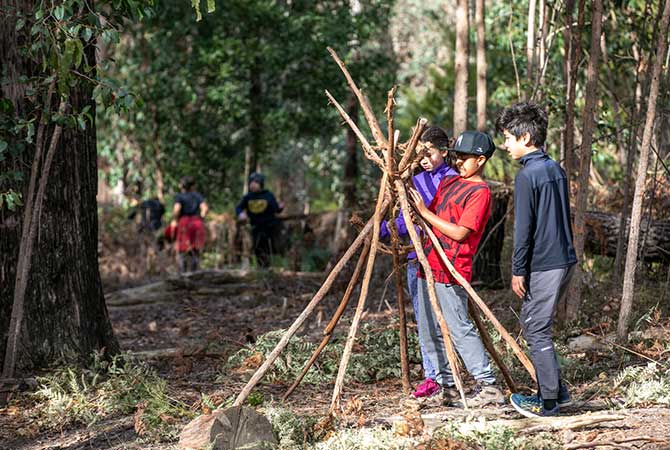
[(574, 300), (461, 68), (253, 150), (630, 159), (572, 57), (158, 173), (481, 64), (351, 162), (636, 215), (64, 308), (530, 43), (567, 73), (542, 45)]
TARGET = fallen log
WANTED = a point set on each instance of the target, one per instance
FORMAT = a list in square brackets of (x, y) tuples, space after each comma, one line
[(615, 442), (538, 424), (602, 234)]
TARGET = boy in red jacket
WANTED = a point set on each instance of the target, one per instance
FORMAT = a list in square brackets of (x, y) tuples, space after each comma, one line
[(457, 216)]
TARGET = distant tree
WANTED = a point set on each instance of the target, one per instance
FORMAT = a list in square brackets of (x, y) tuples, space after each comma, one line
[(480, 16), (530, 42), (641, 72), (572, 40), (461, 67), (244, 85), (640, 182), (574, 299)]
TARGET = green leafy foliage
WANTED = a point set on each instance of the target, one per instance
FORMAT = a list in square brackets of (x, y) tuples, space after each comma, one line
[(498, 438), (380, 358), (376, 438), (644, 385), (376, 357), (212, 89), (57, 54), (291, 361), (292, 431), (108, 389)]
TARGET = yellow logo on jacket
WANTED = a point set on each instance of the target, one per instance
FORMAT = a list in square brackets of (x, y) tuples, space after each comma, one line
[(257, 206)]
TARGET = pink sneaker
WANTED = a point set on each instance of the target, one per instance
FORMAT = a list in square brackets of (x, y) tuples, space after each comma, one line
[(426, 389)]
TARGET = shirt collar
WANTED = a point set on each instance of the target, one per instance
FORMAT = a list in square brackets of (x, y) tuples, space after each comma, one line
[(537, 154), (442, 170)]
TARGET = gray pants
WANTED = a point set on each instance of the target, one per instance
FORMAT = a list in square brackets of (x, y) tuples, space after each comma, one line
[(454, 304), (544, 290), (412, 284)]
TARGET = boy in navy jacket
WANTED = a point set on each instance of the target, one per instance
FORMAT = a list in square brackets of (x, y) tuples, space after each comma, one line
[(544, 257)]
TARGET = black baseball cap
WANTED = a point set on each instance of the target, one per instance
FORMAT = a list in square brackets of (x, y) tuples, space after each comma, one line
[(474, 143)]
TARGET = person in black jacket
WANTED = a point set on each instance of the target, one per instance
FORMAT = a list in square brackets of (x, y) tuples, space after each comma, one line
[(151, 215), (544, 256), (260, 207)]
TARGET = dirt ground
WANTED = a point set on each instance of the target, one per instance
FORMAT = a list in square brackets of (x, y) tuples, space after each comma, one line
[(187, 332)]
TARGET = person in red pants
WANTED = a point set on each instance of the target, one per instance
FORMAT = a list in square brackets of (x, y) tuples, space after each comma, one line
[(187, 227)]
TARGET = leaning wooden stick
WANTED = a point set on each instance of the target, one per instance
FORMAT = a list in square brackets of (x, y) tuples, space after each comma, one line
[(452, 357), (367, 148), (393, 136), (363, 101), (411, 145), (482, 306), (353, 329), (488, 343), (323, 290), (328, 331)]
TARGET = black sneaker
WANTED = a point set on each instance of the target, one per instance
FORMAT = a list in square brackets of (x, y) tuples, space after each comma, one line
[(564, 400), (532, 406)]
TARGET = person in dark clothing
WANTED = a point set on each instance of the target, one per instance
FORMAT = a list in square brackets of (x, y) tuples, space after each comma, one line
[(152, 211), (544, 257), (260, 207), (188, 229), (151, 215)]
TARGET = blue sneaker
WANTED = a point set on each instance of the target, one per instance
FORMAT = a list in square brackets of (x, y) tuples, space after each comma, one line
[(531, 406)]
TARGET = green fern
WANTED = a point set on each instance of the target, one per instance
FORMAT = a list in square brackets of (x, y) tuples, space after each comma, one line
[(84, 396), (644, 385)]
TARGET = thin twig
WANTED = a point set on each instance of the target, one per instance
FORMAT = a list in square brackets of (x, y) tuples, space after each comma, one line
[(320, 294), (610, 342)]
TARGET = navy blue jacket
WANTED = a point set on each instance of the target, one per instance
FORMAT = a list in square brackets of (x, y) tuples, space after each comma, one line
[(542, 225), (261, 208)]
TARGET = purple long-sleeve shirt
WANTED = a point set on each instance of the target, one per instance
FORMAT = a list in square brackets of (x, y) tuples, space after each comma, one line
[(426, 183)]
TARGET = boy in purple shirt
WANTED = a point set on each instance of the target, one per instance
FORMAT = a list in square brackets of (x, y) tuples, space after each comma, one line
[(437, 141)]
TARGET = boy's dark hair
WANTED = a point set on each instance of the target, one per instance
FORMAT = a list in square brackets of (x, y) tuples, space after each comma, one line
[(522, 118), (258, 178), (436, 136), (187, 183)]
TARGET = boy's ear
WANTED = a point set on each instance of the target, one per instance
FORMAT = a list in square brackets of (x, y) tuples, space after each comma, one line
[(525, 138)]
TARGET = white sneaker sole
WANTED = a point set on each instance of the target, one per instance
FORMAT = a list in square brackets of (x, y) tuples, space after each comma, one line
[(522, 411)]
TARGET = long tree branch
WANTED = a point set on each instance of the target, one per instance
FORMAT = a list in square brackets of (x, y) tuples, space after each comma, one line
[(30, 223)]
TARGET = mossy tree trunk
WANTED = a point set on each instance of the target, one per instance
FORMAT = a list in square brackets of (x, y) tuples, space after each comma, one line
[(64, 306)]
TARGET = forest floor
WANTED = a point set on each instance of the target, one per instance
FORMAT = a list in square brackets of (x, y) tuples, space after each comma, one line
[(185, 329)]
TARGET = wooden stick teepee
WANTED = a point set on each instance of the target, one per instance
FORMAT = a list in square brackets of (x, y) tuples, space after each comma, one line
[(392, 196)]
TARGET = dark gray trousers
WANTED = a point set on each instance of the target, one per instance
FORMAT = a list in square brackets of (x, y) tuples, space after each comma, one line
[(544, 290)]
